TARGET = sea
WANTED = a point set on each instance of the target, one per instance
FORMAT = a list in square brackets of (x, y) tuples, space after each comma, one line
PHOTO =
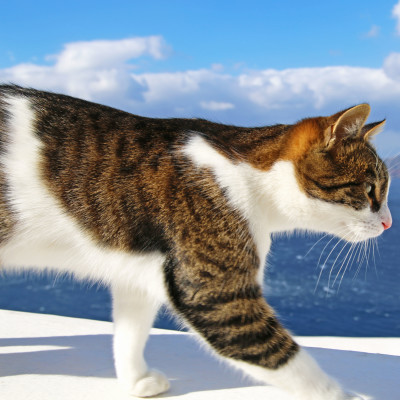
[(318, 286)]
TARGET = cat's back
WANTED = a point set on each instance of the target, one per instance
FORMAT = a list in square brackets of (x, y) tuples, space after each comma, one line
[(62, 157), (66, 116), (106, 170)]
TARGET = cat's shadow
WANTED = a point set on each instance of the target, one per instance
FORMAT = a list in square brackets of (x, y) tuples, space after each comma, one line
[(188, 368)]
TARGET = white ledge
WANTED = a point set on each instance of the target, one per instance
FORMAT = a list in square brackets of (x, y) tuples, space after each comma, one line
[(46, 357)]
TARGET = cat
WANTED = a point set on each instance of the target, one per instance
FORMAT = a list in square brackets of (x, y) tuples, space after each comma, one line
[(181, 211)]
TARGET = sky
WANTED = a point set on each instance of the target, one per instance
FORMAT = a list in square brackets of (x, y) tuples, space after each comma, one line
[(246, 63)]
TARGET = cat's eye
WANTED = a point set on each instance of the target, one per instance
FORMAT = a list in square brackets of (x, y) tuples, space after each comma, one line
[(369, 188)]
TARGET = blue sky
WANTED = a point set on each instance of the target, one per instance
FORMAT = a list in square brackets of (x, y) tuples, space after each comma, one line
[(257, 34), (242, 62)]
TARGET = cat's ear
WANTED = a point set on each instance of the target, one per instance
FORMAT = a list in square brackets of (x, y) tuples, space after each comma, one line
[(372, 129), (346, 124)]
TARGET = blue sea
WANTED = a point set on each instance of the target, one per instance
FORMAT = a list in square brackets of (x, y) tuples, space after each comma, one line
[(315, 287)]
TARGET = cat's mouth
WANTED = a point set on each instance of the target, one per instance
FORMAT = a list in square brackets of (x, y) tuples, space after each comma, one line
[(365, 225), (364, 230), (361, 232)]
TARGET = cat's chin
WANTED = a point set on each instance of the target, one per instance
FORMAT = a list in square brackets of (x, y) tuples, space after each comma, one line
[(358, 233), (363, 225)]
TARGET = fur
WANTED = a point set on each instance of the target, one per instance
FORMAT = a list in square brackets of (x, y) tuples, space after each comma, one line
[(181, 211)]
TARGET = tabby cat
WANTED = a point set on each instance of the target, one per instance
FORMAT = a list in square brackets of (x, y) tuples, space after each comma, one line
[(181, 211)]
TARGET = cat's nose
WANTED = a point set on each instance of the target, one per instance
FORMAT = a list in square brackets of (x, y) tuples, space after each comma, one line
[(386, 225), (386, 217)]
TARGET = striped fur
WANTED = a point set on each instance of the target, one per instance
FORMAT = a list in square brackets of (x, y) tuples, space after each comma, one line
[(181, 211)]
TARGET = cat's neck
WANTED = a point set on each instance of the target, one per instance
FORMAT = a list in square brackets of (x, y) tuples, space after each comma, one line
[(261, 196), (260, 147), (257, 167)]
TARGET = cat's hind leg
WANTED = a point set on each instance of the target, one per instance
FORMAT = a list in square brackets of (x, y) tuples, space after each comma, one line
[(133, 314)]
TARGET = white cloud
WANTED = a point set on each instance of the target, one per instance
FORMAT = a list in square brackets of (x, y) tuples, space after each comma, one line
[(95, 70), (101, 71), (216, 105), (373, 32), (396, 15), (391, 66), (315, 88), (107, 53)]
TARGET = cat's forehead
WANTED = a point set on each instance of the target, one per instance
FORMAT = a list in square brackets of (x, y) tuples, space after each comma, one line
[(358, 159)]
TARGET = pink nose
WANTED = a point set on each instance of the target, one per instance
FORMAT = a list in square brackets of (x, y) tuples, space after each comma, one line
[(387, 225)]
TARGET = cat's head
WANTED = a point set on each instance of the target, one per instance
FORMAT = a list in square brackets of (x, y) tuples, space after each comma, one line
[(340, 174)]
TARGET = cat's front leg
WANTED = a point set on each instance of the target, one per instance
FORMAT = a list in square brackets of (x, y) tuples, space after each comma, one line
[(226, 307), (301, 376), (133, 315)]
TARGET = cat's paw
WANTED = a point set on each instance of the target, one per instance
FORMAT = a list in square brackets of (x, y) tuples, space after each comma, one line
[(151, 384)]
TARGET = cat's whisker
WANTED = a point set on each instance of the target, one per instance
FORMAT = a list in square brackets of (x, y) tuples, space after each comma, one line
[(349, 263), (364, 259), (327, 244), (389, 159), (323, 265), (326, 259), (368, 258), (361, 257), (336, 259), (349, 252), (377, 248), (373, 245), (393, 167), (359, 252), (368, 249), (394, 164), (321, 238), (343, 261), (357, 257)]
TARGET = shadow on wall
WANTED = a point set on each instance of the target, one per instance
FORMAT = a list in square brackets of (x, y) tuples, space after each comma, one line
[(189, 369)]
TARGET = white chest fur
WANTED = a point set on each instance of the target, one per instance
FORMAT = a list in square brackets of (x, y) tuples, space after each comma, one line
[(246, 188)]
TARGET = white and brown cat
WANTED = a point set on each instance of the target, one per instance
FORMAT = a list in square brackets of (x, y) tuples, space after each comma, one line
[(181, 211)]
